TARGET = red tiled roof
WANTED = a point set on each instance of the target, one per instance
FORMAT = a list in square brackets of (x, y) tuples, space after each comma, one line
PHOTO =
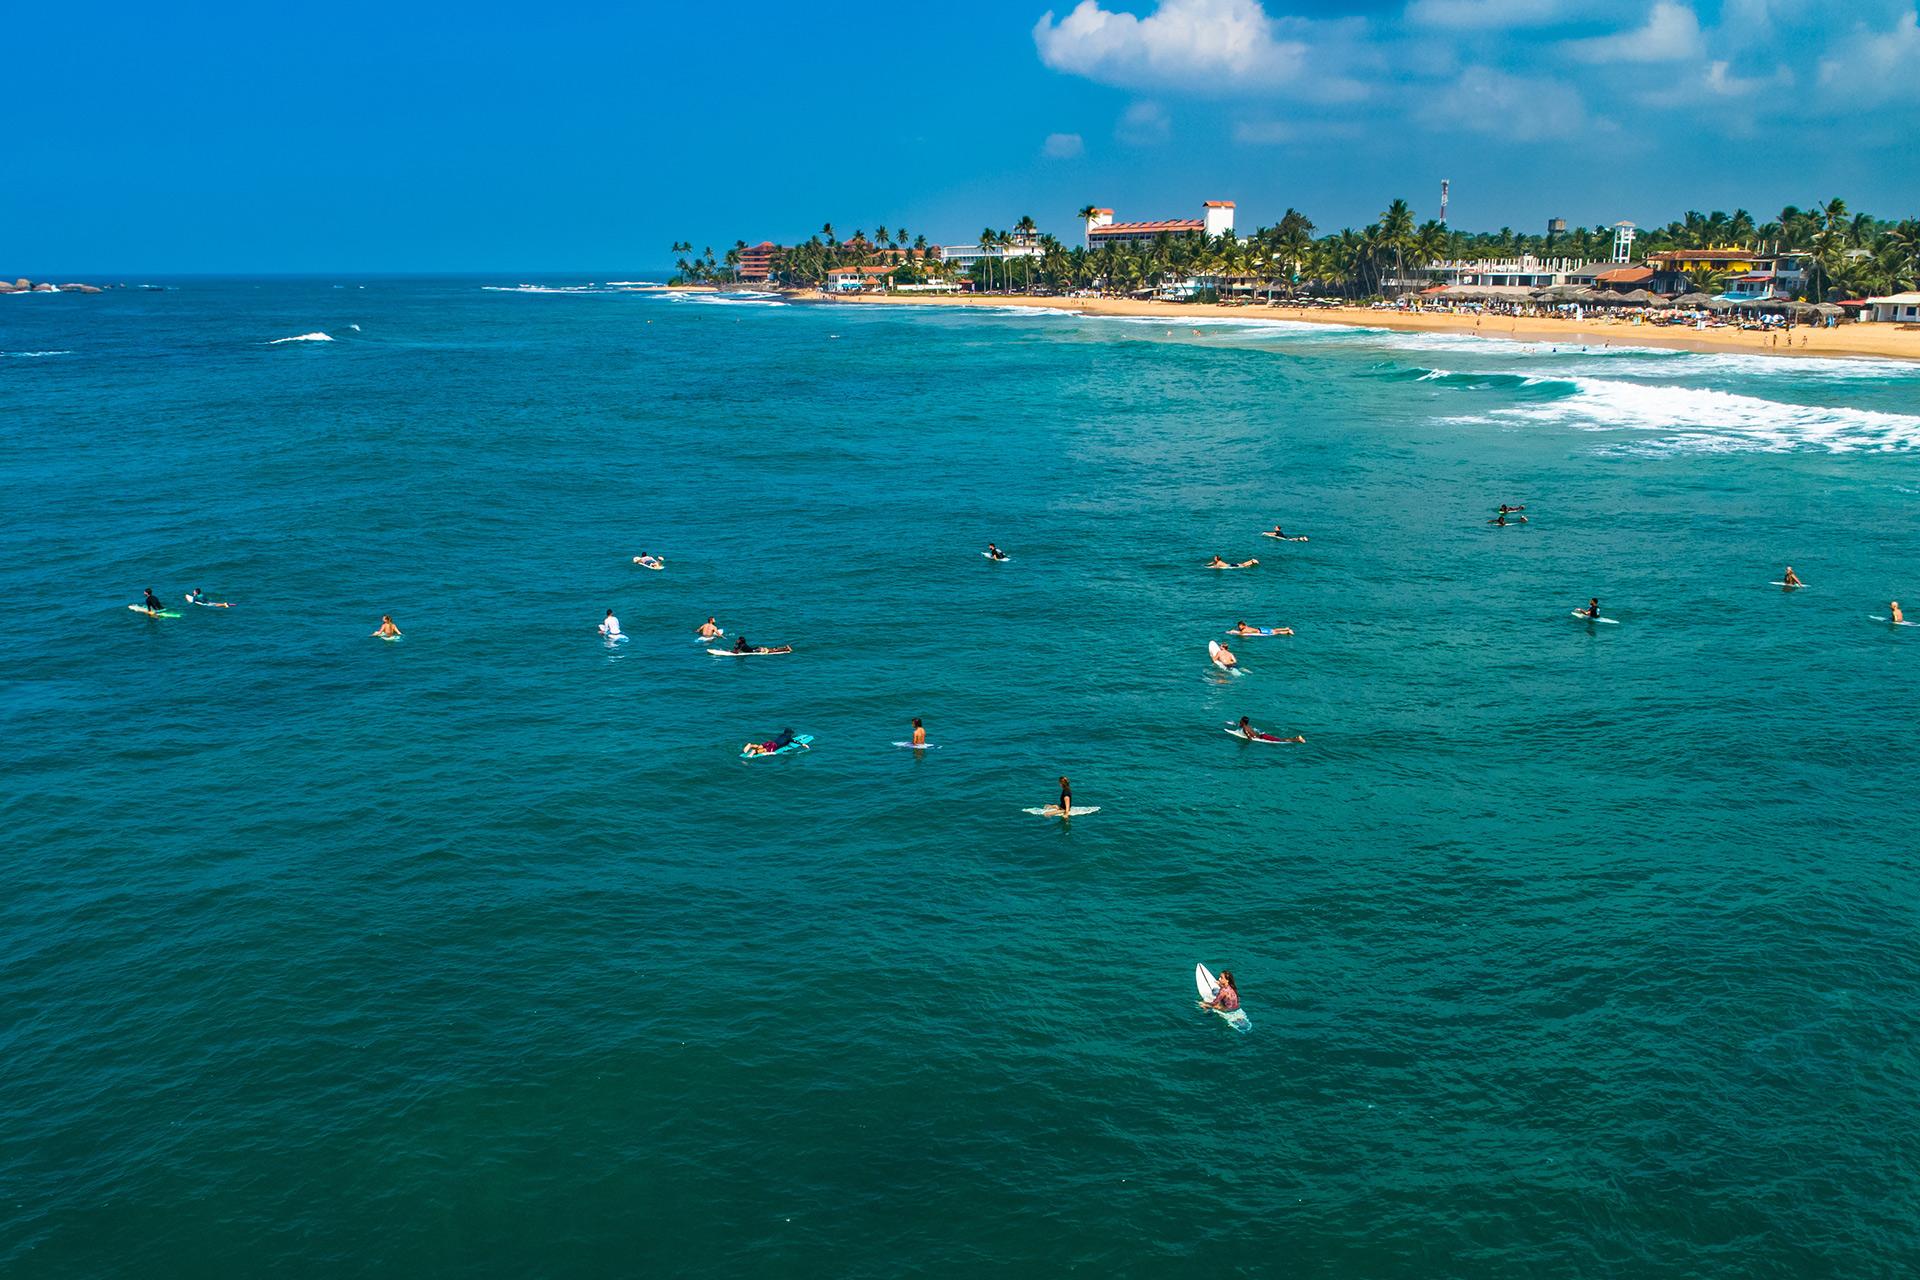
[(1148, 228), (1625, 275)]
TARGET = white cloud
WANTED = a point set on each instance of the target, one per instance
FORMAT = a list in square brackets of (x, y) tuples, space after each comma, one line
[(1206, 45), (1671, 34), (1063, 146), (1523, 108), (1275, 133), (1871, 67), (1144, 124), (1480, 15)]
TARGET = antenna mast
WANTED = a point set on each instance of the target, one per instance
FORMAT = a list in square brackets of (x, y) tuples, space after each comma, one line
[(1444, 184)]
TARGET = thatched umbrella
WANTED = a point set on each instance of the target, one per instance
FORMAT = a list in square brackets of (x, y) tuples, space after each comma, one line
[(1638, 298), (1828, 309), (1692, 300), (1716, 304)]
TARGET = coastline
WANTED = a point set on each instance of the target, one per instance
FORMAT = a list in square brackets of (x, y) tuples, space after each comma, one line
[(1885, 342)]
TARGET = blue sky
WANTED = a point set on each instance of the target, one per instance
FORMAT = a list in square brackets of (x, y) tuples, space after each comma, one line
[(354, 136)]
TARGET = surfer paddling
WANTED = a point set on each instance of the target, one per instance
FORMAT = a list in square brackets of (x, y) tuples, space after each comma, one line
[(995, 553), (1252, 734), (1505, 510), (1218, 563), (199, 597), (1227, 998), (1284, 536), (772, 746), (646, 561), (1242, 629), (740, 645), (387, 630), (1503, 522)]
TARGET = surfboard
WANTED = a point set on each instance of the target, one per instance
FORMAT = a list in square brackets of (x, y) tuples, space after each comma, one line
[(918, 746), (750, 653), (1791, 586), (1881, 617), (390, 639), (1213, 652), (1209, 987), (164, 613), (1582, 615), (1257, 631), (615, 638), (1002, 559), (656, 566), (208, 604), (1053, 811), (1268, 738), (801, 742), (715, 636), (1284, 537)]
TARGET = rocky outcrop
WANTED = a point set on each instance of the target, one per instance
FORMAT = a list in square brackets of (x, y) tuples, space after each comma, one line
[(24, 285)]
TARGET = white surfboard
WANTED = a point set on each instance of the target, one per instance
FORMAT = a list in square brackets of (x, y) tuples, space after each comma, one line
[(750, 653), (658, 564), (1234, 729), (1213, 652), (1209, 987), (1053, 811), (715, 636), (918, 746), (1791, 586), (997, 559), (1582, 615), (1877, 617)]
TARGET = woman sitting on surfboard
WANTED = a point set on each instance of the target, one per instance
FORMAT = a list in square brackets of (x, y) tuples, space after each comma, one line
[(1066, 795), (1227, 998), (387, 630), (919, 733), (1218, 563), (1242, 629), (1894, 614)]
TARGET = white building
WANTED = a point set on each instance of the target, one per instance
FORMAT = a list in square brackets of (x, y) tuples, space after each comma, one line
[(965, 255), (1897, 308), (1216, 219)]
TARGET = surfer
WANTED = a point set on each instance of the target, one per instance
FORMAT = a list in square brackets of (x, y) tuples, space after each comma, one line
[(1242, 629), (1218, 563), (1226, 998), (709, 631), (1284, 536), (646, 561), (152, 603), (1593, 607), (1066, 797), (1223, 656), (1894, 614), (919, 733), (610, 626), (1249, 732), (995, 553), (740, 645), (1791, 579), (387, 630), (779, 740), (1506, 510), (1503, 522)]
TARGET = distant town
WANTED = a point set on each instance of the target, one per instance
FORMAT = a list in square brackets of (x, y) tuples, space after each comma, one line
[(1821, 262)]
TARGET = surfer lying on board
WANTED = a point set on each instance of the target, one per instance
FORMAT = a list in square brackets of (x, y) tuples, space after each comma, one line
[(767, 748), (1506, 510), (1284, 536), (1791, 578), (646, 561), (995, 553), (1218, 563), (1227, 998), (1503, 522), (197, 596), (708, 630), (740, 645), (1250, 732), (1242, 629), (387, 630)]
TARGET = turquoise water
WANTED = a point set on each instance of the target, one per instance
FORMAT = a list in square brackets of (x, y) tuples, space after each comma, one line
[(1569, 950)]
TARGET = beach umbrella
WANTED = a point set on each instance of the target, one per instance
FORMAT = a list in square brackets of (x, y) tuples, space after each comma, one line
[(1828, 309), (1692, 300), (1716, 304), (1639, 297)]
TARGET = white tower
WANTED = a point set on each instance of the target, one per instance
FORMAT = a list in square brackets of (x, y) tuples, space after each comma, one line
[(1445, 185), (1623, 242), (1216, 218)]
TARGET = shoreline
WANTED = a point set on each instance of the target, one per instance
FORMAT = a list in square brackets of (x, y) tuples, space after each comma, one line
[(1870, 341)]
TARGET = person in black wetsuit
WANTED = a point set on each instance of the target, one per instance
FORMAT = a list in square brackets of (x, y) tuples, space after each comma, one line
[(152, 604)]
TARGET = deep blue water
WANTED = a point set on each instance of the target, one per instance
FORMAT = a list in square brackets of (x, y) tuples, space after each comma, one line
[(1569, 950)]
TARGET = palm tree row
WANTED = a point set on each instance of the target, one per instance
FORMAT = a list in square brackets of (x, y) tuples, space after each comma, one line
[(1847, 255)]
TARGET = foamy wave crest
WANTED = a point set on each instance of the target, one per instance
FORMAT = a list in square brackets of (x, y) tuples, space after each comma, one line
[(1693, 418), (302, 337), (32, 355)]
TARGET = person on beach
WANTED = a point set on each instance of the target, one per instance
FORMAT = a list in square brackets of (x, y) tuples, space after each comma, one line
[(1224, 657), (1218, 563), (610, 626), (919, 733), (708, 630), (152, 603), (1791, 578), (387, 630), (1593, 607), (995, 553), (1227, 998), (1242, 629)]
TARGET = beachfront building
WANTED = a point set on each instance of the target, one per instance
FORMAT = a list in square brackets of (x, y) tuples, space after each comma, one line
[(963, 256), (1674, 271), (1897, 308), (857, 279), (1216, 219), (1523, 272), (758, 262)]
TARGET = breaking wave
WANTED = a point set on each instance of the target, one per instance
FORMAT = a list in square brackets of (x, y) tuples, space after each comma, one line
[(1700, 419), (302, 337)]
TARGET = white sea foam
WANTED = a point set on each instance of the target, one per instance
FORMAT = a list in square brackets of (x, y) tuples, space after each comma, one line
[(354, 327), (302, 337), (30, 355), (1695, 418)]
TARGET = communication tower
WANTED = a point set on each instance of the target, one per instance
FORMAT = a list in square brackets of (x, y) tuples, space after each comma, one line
[(1444, 184)]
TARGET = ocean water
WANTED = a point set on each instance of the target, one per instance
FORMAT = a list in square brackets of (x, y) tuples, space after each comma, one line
[(1568, 950)]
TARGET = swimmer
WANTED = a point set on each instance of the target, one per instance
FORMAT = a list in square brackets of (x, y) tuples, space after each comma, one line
[(387, 630)]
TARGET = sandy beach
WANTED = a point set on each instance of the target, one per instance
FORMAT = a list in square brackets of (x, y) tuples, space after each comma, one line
[(1883, 341)]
